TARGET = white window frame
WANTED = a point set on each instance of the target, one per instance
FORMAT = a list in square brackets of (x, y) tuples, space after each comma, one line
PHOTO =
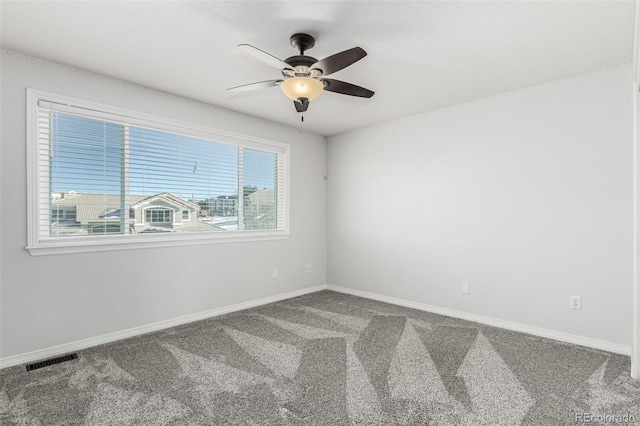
[(44, 245)]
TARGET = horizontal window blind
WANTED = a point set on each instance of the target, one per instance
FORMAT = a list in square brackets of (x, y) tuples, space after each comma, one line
[(102, 174)]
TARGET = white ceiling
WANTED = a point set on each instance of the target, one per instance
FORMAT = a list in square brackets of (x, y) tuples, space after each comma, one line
[(422, 55)]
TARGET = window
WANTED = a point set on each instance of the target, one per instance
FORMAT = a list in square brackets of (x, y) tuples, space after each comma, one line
[(63, 213), (91, 162), (158, 215)]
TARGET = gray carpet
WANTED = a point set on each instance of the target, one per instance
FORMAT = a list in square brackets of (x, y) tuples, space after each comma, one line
[(326, 359)]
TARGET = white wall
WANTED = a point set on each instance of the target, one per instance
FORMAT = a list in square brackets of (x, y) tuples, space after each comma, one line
[(54, 300), (527, 196), (635, 354)]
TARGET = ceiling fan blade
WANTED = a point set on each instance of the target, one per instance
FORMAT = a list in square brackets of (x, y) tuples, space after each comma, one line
[(341, 60), (254, 86), (265, 57), (345, 88), (301, 106)]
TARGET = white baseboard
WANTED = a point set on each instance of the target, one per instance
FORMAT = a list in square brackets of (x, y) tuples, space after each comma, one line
[(161, 325), (513, 326), (136, 331)]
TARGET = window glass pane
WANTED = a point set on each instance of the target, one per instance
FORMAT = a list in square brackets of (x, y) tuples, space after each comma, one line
[(191, 172), (85, 176), (158, 216), (259, 192)]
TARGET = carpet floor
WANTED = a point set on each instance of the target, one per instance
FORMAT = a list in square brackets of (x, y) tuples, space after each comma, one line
[(327, 359)]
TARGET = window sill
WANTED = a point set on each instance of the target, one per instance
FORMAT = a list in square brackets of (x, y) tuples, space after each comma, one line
[(72, 245)]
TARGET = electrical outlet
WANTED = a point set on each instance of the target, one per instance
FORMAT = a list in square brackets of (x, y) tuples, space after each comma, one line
[(575, 302), (275, 273), (308, 268), (465, 288)]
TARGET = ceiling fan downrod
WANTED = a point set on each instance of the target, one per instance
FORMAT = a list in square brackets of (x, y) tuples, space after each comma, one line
[(302, 42)]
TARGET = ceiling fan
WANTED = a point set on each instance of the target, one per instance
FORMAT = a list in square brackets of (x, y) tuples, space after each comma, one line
[(303, 76)]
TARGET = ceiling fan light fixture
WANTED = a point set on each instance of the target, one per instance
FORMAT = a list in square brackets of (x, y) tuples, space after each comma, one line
[(305, 76), (302, 87)]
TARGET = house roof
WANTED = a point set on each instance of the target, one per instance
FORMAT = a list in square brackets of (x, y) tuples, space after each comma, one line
[(262, 196), (170, 198), (94, 206)]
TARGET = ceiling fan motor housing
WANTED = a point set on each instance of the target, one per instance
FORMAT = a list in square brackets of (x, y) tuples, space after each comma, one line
[(301, 63), (301, 71)]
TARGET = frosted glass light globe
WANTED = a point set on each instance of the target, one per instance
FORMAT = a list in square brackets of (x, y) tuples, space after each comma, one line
[(302, 87)]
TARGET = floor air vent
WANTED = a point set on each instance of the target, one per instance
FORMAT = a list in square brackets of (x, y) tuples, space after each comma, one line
[(51, 361)]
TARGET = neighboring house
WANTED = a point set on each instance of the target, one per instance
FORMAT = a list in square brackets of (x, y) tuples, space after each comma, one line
[(260, 210), (84, 214), (224, 205)]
